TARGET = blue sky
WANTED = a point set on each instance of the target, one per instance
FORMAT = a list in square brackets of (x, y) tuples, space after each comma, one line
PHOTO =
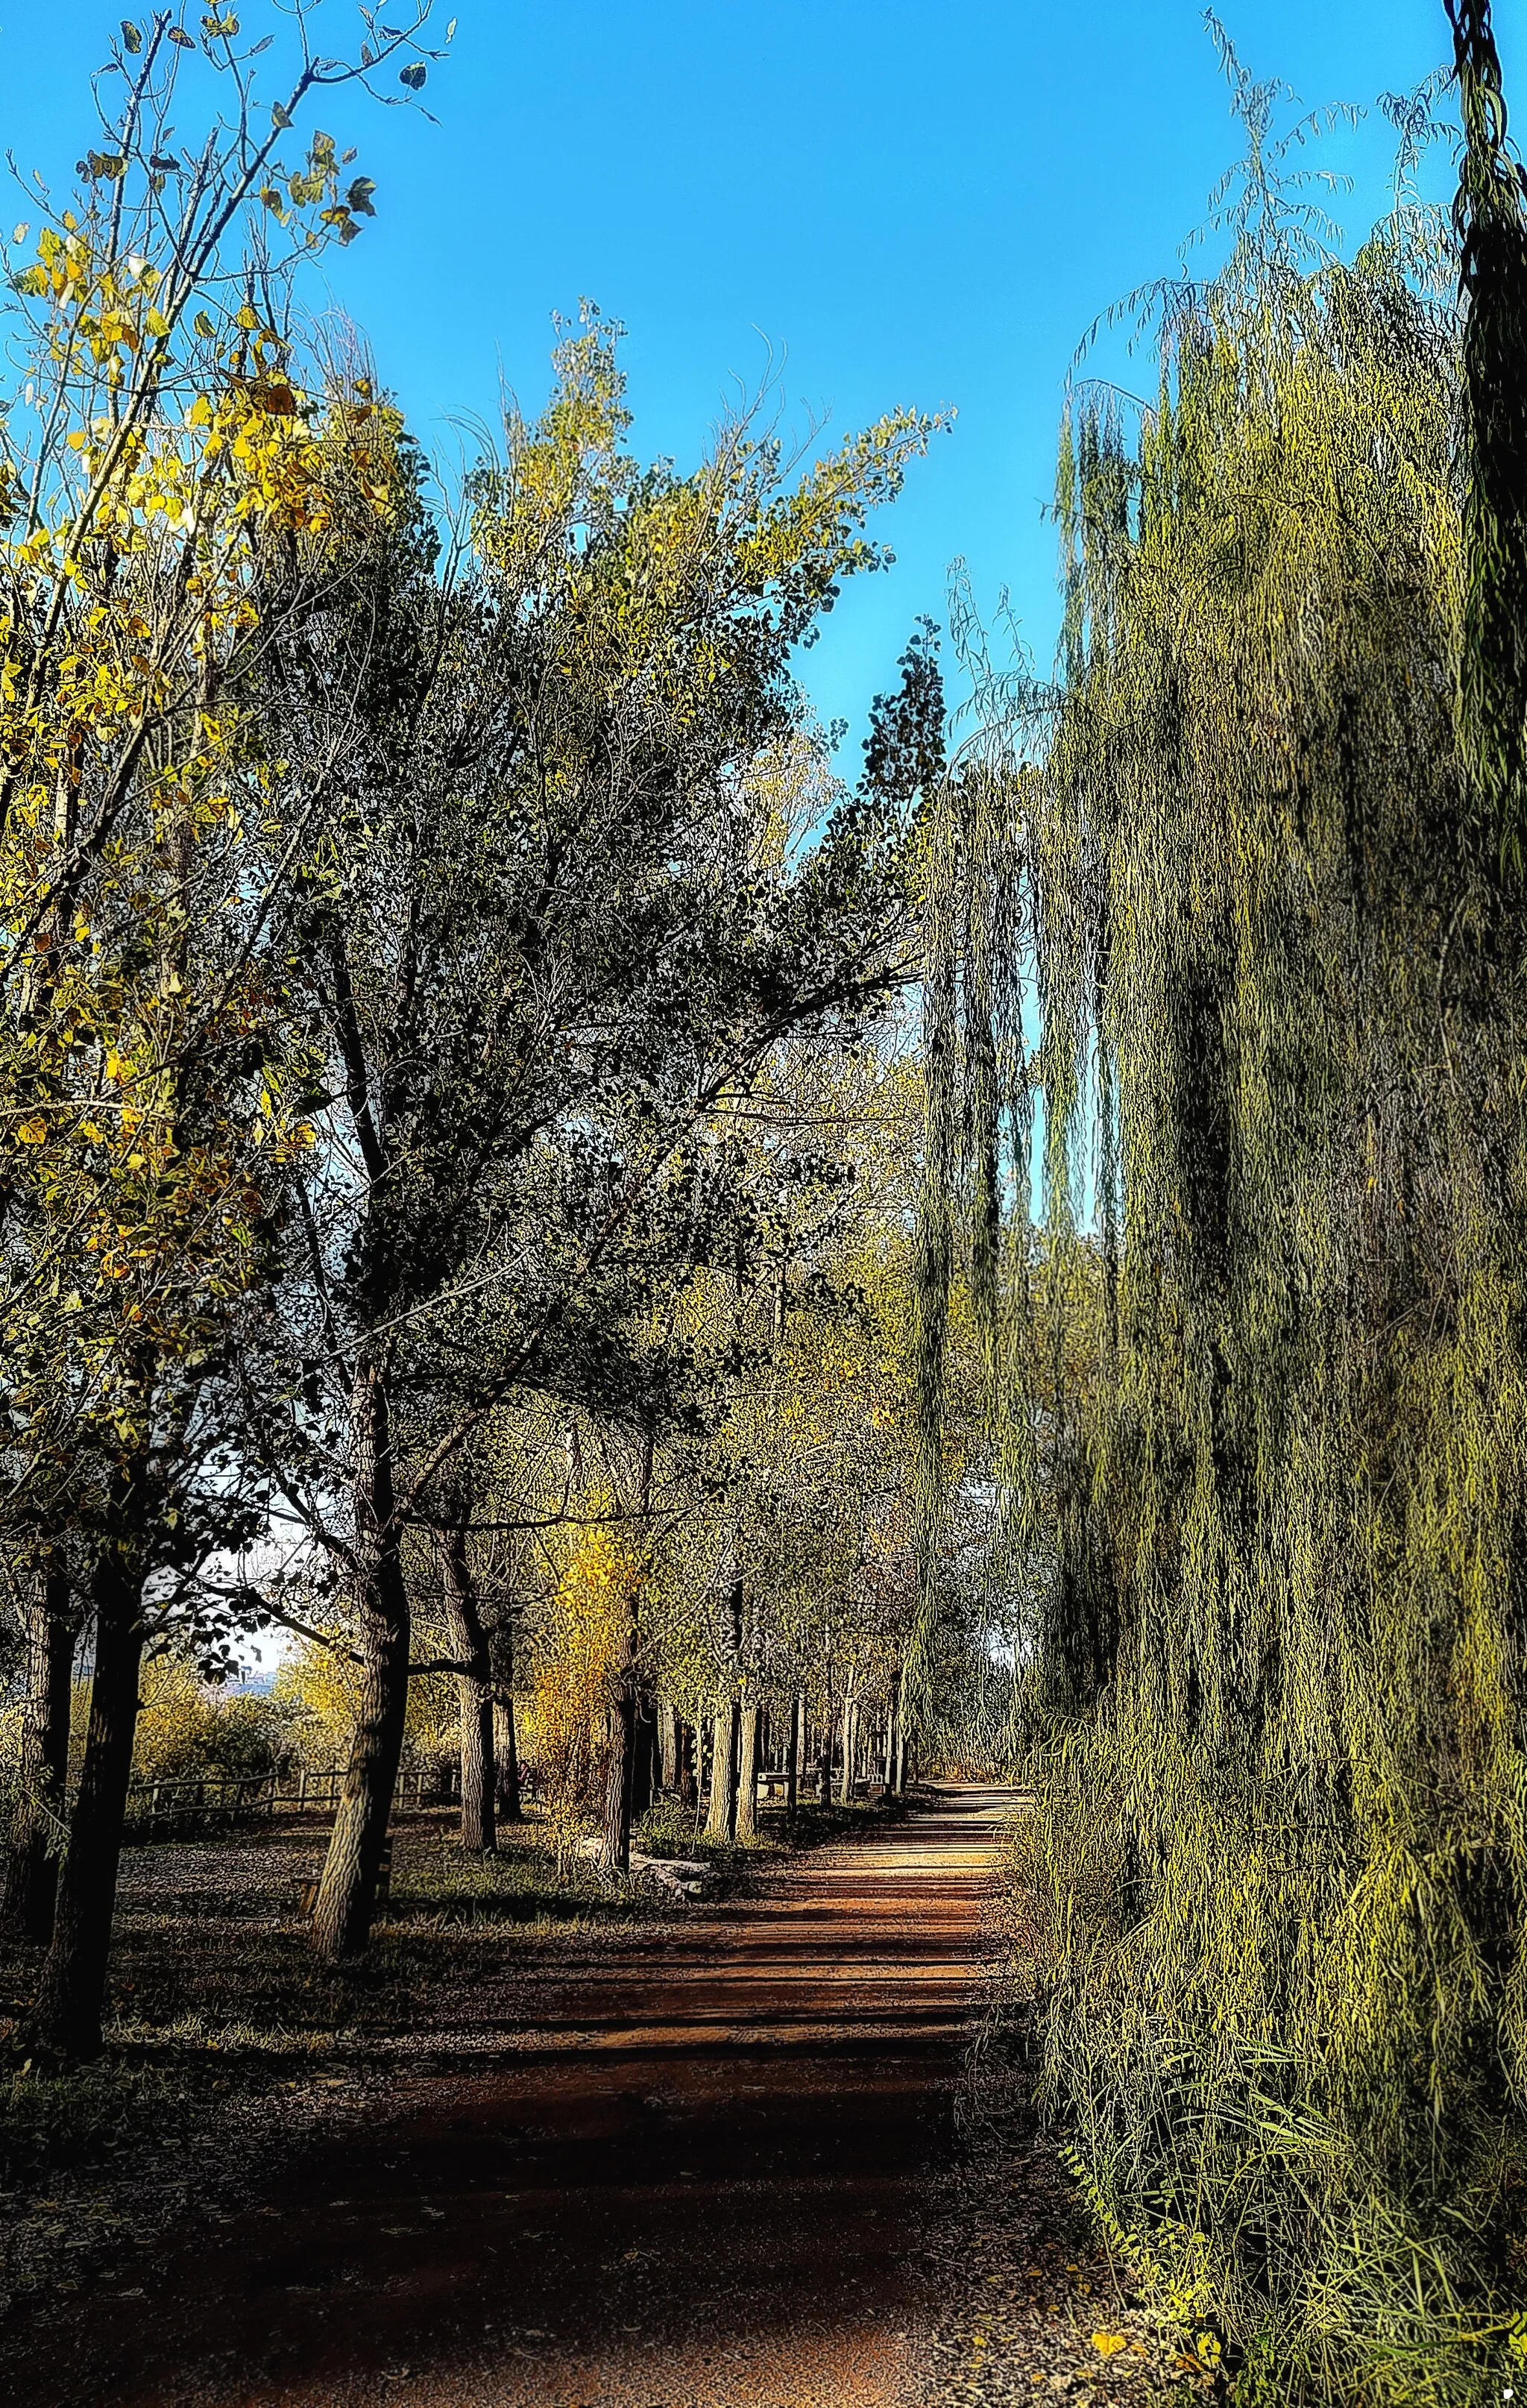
[(882, 203)]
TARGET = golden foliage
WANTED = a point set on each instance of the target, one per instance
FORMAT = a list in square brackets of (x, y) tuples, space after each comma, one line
[(579, 1645)]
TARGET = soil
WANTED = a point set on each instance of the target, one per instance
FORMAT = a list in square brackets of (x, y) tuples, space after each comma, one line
[(711, 2170)]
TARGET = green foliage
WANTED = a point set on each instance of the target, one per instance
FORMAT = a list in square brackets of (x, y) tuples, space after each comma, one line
[(185, 1728), (1261, 1424)]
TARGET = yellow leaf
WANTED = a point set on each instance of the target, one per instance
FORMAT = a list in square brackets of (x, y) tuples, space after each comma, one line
[(1110, 2344), (33, 1132)]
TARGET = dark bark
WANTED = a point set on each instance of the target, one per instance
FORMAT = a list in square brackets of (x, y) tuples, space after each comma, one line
[(347, 1894), (506, 1728), (893, 1738), (66, 2020), (50, 1628), (647, 1762), (625, 1713), (747, 1807), (792, 1756), (507, 1755), (668, 1746)]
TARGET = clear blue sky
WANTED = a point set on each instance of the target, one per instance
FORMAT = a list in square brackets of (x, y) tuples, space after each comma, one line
[(894, 203)]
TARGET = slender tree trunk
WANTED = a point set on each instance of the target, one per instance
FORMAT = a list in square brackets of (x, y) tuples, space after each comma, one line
[(686, 1751), (474, 1690), (893, 1738), (614, 1853), (51, 1627), (792, 1755), (721, 1822), (648, 1760), (506, 1730), (480, 1782), (668, 1745), (747, 1822), (506, 1756), (851, 1749), (824, 1762), (625, 1703), (67, 2018), (347, 1896)]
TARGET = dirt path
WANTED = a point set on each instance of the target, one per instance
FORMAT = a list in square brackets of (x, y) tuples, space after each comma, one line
[(694, 2187)]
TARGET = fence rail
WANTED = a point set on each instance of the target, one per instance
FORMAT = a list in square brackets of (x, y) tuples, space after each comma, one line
[(261, 1796)]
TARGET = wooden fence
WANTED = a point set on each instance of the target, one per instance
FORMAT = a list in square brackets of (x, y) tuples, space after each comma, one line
[(217, 1798)]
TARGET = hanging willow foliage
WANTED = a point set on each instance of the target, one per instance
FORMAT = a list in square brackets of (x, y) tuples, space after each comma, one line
[(1491, 218), (1266, 1431)]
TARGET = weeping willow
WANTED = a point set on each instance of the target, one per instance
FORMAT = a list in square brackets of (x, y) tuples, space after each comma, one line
[(1259, 1390)]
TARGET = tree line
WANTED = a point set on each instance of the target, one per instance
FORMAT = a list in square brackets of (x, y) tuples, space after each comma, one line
[(1229, 963), (444, 985)]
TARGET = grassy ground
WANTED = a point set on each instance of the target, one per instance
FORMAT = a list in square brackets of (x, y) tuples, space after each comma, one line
[(225, 2039)]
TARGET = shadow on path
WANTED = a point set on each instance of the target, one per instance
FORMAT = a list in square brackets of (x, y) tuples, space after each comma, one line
[(695, 2189)]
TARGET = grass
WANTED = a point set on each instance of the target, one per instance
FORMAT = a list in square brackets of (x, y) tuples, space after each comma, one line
[(226, 2040), (51, 2122), (669, 1829), (214, 1990)]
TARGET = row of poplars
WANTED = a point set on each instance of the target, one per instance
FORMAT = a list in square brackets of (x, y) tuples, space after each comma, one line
[(438, 1122)]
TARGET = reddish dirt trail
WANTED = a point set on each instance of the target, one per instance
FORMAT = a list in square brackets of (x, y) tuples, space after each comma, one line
[(694, 2188)]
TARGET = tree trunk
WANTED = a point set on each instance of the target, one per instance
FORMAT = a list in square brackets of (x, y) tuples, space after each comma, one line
[(647, 1770), (722, 1820), (615, 1851), (747, 1822), (66, 2020), (479, 1774), (667, 1747), (686, 1764), (625, 1706), (506, 1730), (506, 1756), (50, 1628), (792, 1755), (474, 1690), (893, 1738), (346, 1895), (851, 1749)]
